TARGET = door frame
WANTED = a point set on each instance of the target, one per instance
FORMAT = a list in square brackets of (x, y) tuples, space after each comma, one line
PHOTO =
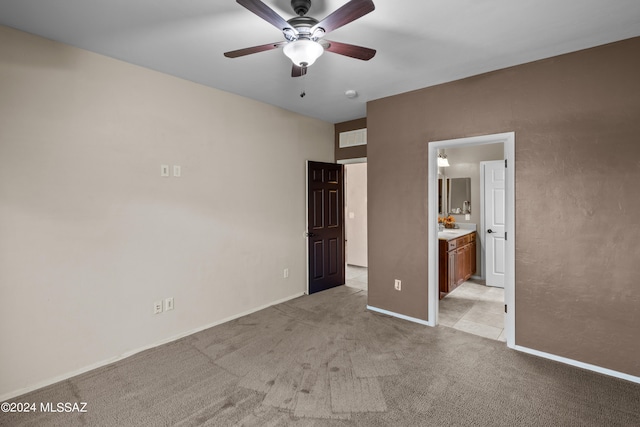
[(346, 162), (508, 139)]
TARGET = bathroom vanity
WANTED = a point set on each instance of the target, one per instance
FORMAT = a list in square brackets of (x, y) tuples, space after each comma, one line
[(457, 252)]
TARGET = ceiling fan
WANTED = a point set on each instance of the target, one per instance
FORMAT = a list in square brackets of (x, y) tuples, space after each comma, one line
[(303, 34)]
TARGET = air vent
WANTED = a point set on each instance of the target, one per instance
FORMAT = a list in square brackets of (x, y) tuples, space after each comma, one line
[(353, 138)]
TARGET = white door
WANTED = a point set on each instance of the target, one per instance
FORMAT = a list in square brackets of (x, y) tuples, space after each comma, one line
[(494, 220)]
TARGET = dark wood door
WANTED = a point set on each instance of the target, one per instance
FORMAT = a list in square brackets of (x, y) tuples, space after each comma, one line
[(325, 225)]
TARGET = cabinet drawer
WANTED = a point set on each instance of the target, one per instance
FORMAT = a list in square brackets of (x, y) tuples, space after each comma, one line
[(452, 244), (465, 240)]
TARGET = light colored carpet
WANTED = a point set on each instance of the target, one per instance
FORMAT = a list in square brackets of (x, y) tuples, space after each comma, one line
[(324, 360)]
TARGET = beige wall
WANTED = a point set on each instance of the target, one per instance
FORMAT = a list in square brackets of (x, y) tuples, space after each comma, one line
[(91, 235), (576, 124), (356, 213)]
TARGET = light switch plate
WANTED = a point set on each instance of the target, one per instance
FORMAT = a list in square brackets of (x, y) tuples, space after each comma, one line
[(177, 170), (164, 170)]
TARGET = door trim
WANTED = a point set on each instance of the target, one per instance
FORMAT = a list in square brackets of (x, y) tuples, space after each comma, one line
[(508, 139), (345, 163), (351, 161), (306, 222)]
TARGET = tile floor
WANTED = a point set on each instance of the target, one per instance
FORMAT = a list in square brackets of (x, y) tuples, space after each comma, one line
[(476, 309), (473, 307), (357, 277)]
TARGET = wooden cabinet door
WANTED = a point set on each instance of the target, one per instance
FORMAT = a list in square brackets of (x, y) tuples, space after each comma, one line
[(461, 262), (452, 273), (467, 257), (472, 250), (443, 268), (457, 262)]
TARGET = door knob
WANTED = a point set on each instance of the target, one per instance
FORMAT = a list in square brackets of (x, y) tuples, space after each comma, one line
[(311, 234), (489, 231)]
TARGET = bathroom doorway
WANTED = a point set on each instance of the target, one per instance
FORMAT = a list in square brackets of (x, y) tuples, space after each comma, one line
[(471, 305), (508, 139)]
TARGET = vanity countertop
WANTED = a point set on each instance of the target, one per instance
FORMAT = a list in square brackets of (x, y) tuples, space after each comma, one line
[(454, 233)]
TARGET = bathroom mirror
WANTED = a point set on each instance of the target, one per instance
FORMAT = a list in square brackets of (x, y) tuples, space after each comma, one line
[(459, 196)]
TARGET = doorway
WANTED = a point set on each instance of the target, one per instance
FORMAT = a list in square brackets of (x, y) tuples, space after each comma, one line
[(355, 211), (508, 139)]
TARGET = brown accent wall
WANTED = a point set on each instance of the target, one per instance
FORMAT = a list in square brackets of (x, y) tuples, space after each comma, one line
[(349, 152), (576, 119)]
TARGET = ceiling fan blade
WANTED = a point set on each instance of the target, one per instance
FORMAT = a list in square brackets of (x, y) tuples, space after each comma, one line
[(254, 49), (349, 12), (298, 71), (351, 50), (266, 13)]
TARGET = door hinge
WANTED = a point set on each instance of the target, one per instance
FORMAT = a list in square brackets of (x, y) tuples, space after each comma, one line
[(505, 163), (505, 235), (505, 308)]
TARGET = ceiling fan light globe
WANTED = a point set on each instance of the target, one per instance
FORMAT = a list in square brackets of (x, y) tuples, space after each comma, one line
[(303, 53)]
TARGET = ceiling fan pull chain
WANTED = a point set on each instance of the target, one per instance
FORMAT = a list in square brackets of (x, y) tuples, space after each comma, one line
[(304, 82)]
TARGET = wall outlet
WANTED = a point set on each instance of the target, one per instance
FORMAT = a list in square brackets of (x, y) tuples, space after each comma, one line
[(168, 304), (157, 307), (398, 285), (285, 273)]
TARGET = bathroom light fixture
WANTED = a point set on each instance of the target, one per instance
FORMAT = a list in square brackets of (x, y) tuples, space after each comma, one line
[(443, 162), (303, 52)]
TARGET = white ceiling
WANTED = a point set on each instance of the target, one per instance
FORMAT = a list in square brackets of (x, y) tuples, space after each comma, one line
[(419, 43)]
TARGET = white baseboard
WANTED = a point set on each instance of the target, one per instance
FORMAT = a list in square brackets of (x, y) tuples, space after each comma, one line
[(576, 363), (100, 364), (399, 316), (579, 364)]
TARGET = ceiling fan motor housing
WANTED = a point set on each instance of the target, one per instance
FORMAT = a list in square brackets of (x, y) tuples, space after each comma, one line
[(303, 25), (301, 7)]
